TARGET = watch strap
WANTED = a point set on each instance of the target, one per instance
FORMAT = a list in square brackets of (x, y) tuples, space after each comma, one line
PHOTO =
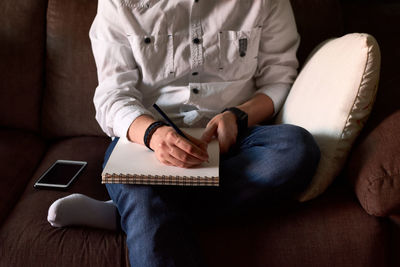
[(241, 118)]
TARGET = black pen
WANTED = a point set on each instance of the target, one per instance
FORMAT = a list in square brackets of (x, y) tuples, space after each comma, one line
[(169, 121)]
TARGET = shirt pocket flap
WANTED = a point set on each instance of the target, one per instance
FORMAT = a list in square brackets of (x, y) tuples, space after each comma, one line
[(154, 53)]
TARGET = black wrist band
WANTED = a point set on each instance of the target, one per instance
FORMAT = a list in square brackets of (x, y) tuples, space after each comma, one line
[(150, 130)]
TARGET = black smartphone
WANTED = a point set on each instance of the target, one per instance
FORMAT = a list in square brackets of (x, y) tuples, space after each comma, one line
[(61, 174)]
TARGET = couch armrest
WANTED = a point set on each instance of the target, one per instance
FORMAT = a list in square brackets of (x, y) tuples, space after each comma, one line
[(374, 168)]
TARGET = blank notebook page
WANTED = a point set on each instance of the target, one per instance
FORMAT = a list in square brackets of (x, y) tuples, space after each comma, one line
[(129, 158)]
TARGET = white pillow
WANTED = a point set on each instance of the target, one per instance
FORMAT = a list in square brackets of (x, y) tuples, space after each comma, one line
[(332, 98)]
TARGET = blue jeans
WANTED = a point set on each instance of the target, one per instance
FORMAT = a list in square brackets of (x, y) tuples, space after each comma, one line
[(268, 164)]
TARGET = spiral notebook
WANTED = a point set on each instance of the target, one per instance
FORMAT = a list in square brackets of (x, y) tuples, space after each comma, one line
[(132, 163)]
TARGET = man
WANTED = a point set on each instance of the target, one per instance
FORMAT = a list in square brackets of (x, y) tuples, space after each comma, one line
[(224, 65)]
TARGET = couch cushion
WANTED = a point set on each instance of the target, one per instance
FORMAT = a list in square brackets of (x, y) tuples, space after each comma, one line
[(20, 155), (332, 98), (374, 168), (71, 78), (332, 230), (26, 237), (22, 45)]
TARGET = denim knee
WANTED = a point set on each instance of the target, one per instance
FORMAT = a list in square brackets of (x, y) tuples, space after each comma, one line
[(304, 154), (273, 162), (304, 145)]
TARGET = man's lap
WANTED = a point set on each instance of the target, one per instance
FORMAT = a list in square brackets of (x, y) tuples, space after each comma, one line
[(259, 168)]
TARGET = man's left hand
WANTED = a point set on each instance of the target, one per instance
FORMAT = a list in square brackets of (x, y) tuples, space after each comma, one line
[(224, 127)]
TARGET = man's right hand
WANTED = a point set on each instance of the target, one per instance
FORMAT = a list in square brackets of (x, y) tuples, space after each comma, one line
[(175, 150)]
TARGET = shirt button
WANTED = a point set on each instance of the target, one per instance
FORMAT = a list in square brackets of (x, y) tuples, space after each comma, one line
[(147, 40), (195, 91), (196, 40), (195, 73)]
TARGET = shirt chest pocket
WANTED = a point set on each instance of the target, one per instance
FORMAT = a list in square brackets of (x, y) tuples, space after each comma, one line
[(154, 55), (238, 51)]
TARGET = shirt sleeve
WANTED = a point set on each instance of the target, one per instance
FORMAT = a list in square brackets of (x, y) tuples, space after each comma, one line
[(277, 62), (116, 99)]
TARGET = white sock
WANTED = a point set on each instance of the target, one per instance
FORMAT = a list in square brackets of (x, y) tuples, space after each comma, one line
[(78, 209)]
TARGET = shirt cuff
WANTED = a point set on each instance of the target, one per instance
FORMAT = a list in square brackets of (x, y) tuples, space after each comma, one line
[(124, 119), (277, 93)]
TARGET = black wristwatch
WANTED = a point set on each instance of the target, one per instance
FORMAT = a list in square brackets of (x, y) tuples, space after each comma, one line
[(241, 118)]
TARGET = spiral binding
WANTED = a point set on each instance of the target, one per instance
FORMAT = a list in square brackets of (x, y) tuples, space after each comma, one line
[(159, 180)]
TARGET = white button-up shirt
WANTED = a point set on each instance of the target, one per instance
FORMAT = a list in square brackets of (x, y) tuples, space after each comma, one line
[(191, 57)]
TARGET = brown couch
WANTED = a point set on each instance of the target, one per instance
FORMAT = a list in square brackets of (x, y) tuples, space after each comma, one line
[(47, 81)]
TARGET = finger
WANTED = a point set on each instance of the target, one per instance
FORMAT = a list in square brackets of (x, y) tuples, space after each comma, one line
[(184, 157), (224, 143), (200, 143), (224, 146), (209, 132), (169, 154), (166, 162), (178, 163), (226, 138), (167, 159), (162, 157), (191, 148), (173, 140)]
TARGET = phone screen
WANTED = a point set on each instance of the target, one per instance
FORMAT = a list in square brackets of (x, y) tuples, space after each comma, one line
[(61, 174)]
